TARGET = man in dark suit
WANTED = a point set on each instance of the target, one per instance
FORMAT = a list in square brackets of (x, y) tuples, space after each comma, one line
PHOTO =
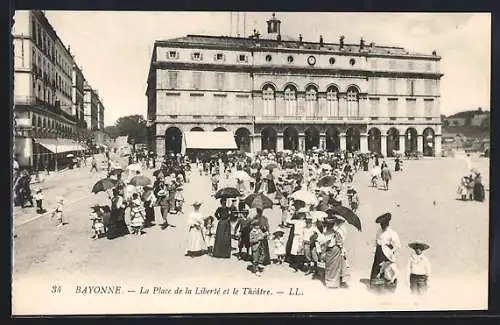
[(386, 176)]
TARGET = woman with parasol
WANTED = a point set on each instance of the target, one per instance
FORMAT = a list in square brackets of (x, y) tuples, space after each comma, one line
[(222, 244), (332, 253), (294, 245), (196, 244), (117, 225)]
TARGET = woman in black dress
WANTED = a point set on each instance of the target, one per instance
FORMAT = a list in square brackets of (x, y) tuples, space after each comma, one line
[(117, 225), (478, 191), (222, 244)]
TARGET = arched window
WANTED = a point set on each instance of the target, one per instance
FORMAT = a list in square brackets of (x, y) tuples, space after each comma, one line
[(290, 101), (269, 101), (352, 102), (311, 101), (332, 100)]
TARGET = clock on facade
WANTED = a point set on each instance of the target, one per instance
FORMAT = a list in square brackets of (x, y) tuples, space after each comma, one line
[(311, 60)]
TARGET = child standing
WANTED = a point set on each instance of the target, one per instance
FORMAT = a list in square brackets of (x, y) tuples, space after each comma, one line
[(137, 214), (243, 227), (215, 182), (58, 212), (307, 234), (97, 222), (285, 209), (179, 199), (209, 233), (256, 237), (39, 201), (279, 246), (419, 268)]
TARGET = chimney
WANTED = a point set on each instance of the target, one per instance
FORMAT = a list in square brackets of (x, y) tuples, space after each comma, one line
[(69, 49), (321, 41), (434, 53), (372, 45), (300, 39), (278, 37), (342, 42), (361, 44)]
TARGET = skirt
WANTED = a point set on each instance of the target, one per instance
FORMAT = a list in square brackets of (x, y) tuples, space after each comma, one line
[(222, 243), (196, 241), (377, 259), (335, 268)]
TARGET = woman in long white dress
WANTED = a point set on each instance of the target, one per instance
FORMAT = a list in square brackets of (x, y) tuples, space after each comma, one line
[(196, 240)]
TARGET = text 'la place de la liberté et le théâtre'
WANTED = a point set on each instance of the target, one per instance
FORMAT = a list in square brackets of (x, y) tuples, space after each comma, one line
[(159, 290)]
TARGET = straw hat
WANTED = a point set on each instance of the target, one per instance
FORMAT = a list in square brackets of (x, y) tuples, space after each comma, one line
[(418, 245), (197, 203)]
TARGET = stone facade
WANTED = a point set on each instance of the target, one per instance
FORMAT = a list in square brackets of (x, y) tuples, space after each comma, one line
[(276, 94)]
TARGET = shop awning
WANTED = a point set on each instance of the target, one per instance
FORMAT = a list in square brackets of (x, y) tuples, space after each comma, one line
[(60, 145), (210, 140)]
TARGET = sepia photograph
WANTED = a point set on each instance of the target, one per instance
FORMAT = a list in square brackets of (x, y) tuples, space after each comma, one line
[(249, 162)]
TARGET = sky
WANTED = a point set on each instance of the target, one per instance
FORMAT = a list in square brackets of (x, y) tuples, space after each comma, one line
[(114, 48)]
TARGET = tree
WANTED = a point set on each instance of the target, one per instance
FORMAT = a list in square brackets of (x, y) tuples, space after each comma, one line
[(485, 124), (133, 126), (112, 131)]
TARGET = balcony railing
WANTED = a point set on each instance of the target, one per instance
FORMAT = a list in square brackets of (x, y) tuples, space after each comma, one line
[(32, 100), (206, 118)]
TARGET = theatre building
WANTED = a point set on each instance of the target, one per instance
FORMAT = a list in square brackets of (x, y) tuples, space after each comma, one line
[(277, 92)]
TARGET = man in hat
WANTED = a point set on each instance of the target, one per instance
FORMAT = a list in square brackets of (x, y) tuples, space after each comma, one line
[(386, 175), (419, 268), (387, 244), (161, 194), (309, 235), (149, 200)]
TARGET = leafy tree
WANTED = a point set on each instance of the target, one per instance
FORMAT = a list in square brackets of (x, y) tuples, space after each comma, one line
[(133, 126), (112, 131)]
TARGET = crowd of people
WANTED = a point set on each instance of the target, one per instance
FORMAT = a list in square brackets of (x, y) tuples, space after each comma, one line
[(313, 191), (312, 231)]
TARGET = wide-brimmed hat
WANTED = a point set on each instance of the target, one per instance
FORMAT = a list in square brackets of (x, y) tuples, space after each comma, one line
[(302, 210), (150, 186), (384, 218), (278, 233), (179, 188), (161, 193), (418, 245), (196, 203)]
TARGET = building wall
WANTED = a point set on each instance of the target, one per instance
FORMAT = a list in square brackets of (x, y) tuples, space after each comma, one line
[(207, 87)]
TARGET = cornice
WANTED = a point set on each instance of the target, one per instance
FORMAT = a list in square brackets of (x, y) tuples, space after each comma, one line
[(290, 69)]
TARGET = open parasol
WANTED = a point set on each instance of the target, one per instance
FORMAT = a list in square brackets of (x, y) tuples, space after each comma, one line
[(258, 201), (347, 214), (140, 181), (241, 175), (227, 192), (271, 166), (305, 196), (103, 185)]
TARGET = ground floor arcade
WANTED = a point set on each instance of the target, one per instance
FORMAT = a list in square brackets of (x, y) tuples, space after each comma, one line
[(383, 139)]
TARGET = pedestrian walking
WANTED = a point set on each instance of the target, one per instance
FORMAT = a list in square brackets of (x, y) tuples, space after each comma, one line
[(163, 202), (209, 232), (58, 212), (117, 226), (386, 176), (196, 243), (137, 214), (39, 201), (419, 268), (222, 243), (98, 227), (93, 164), (279, 246), (387, 244)]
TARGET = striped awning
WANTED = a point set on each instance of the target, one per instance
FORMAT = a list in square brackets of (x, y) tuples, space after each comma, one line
[(60, 145), (210, 140)]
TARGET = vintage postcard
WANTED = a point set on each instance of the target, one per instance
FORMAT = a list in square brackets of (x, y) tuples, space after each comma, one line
[(238, 162)]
